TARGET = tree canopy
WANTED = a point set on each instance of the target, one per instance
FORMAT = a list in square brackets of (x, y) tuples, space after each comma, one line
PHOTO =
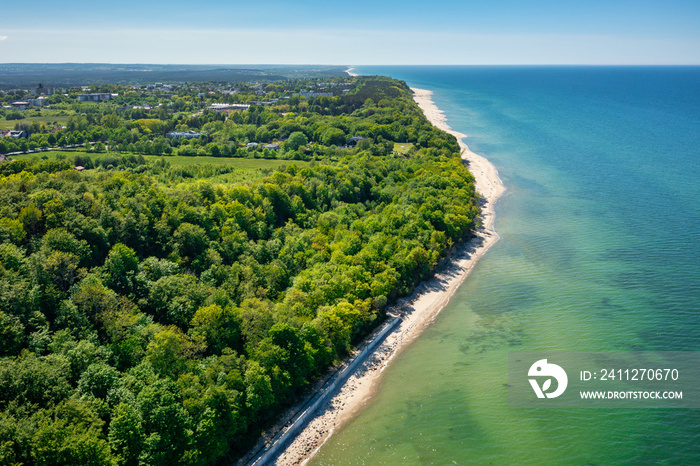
[(157, 314)]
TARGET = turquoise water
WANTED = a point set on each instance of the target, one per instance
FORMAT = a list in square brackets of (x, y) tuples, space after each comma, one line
[(599, 250)]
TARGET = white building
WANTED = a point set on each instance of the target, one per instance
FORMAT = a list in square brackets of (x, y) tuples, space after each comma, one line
[(228, 107), (96, 97)]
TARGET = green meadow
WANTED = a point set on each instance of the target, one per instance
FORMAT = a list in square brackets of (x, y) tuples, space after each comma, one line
[(47, 117)]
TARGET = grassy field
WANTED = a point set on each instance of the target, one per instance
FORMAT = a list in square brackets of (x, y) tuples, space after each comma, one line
[(402, 147), (53, 154), (47, 117), (245, 164), (244, 170), (174, 160)]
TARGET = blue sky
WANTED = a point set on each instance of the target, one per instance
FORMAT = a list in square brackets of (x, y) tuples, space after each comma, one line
[(355, 32)]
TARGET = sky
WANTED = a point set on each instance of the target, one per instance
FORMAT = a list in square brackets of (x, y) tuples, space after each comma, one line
[(359, 32)]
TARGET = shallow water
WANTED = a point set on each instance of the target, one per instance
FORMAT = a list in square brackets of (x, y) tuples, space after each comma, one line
[(599, 250)]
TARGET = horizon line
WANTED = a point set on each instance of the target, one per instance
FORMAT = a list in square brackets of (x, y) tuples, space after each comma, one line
[(350, 66)]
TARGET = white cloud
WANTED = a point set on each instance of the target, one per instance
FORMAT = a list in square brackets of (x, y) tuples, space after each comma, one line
[(2, 37)]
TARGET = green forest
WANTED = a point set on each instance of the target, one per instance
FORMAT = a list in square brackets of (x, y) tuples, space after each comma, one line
[(158, 313)]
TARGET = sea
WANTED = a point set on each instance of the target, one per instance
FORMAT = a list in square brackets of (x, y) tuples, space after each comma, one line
[(599, 251)]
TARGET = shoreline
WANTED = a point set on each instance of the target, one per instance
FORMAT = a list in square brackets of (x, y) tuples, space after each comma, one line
[(414, 313)]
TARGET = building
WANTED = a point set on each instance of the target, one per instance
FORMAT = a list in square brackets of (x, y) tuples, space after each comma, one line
[(352, 142), (96, 97), (258, 88), (315, 94), (41, 90), (271, 146), (20, 105), (186, 135), (17, 134), (228, 107), (40, 102)]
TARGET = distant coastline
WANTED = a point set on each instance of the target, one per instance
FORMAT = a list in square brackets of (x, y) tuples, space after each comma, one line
[(416, 312)]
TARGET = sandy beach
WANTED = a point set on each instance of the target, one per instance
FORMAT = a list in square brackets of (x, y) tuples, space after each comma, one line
[(415, 312)]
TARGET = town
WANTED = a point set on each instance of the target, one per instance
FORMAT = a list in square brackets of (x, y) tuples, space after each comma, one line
[(165, 119)]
